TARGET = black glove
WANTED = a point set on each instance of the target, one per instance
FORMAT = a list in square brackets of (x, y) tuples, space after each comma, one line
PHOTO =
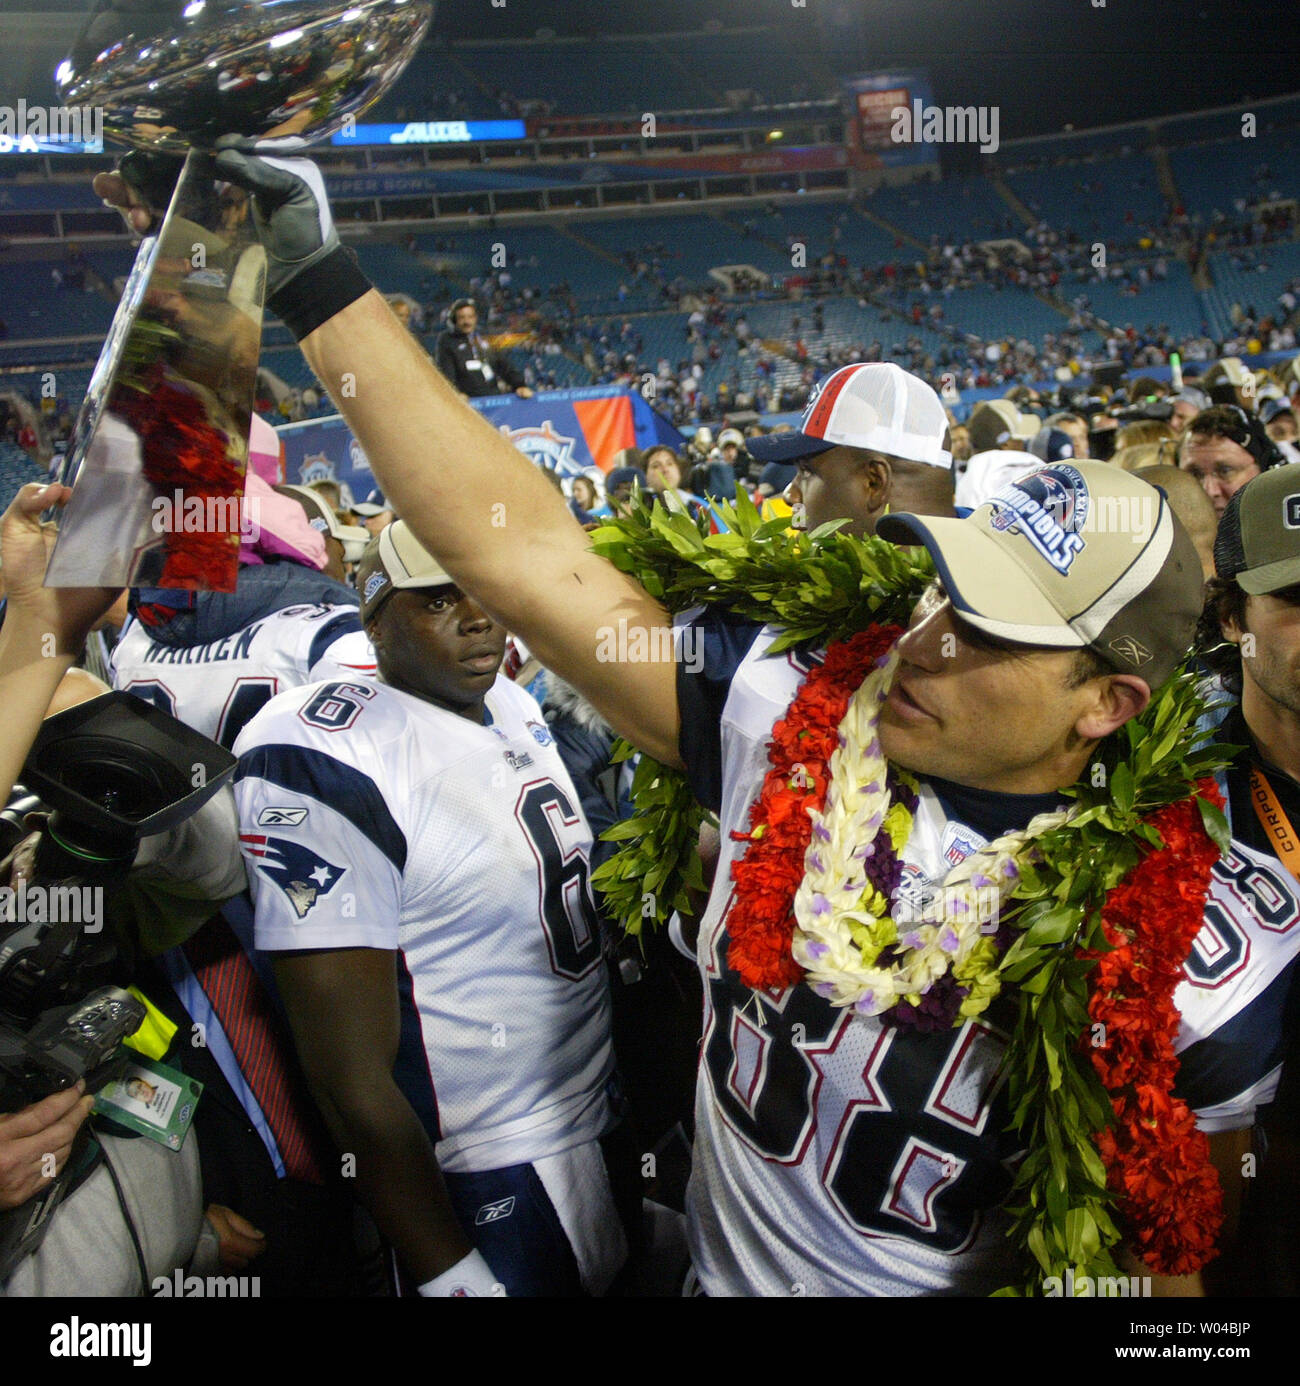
[(310, 275), (153, 179)]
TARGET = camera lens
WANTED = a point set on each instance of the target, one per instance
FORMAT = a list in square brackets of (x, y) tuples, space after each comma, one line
[(128, 782)]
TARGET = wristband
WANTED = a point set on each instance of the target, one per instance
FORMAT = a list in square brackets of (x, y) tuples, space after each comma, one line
[(470, 1278), (317, 293)]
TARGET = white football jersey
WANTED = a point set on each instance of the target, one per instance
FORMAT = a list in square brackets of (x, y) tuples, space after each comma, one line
[(370, 818), (835, 1155), (216, 688), (1234, 990)]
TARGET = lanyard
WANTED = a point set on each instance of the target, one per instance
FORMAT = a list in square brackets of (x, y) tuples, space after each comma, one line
[(1277, 826)]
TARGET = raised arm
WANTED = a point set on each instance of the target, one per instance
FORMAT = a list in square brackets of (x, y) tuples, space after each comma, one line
[(476, 502), (493, 520)]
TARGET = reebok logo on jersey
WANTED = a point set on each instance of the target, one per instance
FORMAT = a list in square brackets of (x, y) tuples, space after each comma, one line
[(297, 870), (281, 817), (494, 1212)]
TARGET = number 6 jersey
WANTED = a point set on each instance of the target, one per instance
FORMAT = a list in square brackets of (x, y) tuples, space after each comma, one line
[(370, 818)]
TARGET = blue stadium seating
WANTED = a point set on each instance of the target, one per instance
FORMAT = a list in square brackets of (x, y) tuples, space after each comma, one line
[(1170, 302), (1254, 278), (16, 469), (1053, 149), (1113, 200), (956, 209), (1214, 177)]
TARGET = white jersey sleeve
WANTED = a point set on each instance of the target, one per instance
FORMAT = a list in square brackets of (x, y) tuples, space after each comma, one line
[(1234, 991), (348, 654)]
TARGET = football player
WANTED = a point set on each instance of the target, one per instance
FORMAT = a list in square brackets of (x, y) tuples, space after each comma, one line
[(419, 868), (807, 1117), (213, 659)]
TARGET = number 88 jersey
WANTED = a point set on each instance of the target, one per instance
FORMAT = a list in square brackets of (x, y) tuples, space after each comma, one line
[(370, 818), (836, 1154)]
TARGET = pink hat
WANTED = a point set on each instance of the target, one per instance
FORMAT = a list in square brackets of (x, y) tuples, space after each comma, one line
[(277, 528), (264, 452)]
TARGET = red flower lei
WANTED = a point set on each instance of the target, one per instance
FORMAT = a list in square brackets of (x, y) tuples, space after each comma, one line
[(761, 923), (1157, 1160)]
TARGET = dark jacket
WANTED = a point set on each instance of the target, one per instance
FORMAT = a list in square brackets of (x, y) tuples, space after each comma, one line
[(182, 618), (454, 353)]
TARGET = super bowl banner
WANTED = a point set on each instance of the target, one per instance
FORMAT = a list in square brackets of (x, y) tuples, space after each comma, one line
[(565, 431)]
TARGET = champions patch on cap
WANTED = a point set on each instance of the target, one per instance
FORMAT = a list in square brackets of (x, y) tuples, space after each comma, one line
[(1050, 508), (1075, 555), (395, 561)]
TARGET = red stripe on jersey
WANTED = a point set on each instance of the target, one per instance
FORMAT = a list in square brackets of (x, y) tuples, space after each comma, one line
[(820, 418)]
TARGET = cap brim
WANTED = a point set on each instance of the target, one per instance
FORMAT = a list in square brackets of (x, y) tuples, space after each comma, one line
[(1271, 577), (988, 588), (425, 580), (368, 510), (787, 447)]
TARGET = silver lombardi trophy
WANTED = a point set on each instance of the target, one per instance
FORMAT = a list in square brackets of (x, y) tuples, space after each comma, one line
[(163, 431)]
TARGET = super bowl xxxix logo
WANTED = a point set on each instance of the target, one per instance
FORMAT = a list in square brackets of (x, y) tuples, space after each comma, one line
[(544, 446)]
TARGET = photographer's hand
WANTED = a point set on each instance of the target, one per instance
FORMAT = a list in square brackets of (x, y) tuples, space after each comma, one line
[(28, 1138), (67, 613)]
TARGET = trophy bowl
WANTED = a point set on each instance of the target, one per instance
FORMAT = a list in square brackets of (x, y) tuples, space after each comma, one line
[(163, 430), (175, 75)]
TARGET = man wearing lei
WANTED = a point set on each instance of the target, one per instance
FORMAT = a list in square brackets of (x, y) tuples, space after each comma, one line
[(852, 1119)]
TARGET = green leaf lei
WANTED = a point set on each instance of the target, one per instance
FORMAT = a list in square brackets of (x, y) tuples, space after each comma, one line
[(818, 586), (825, 585)]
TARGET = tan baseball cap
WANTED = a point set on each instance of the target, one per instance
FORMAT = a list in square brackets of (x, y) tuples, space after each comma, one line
[(394, 561), (1258, 542), (324, 518), (1075, 555), (996, 422)]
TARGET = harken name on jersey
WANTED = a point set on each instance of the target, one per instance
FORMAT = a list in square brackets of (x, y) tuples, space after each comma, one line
[(217, 687)]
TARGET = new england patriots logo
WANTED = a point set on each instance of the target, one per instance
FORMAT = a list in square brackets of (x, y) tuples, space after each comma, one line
[(1050, 508), (297, 870)]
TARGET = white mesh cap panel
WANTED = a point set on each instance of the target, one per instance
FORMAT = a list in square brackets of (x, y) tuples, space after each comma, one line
[(881, 407)]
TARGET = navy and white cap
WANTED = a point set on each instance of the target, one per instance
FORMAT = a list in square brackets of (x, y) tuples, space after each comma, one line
[(374, 504), (1051, 445), (876, 406)]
